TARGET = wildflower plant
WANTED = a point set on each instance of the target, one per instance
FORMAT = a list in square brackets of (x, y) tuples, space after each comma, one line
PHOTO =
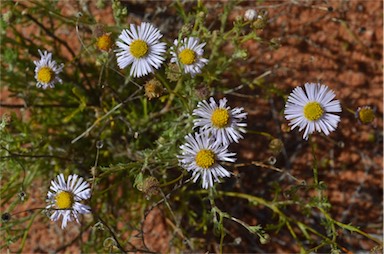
[(148, 130), (189, 54), (311, 109), (47, 71), (64, 196), (201, 154), (140, 46), (222, 122)]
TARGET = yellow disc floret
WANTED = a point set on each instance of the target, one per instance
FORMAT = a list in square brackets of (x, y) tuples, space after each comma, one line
[(366, 115), (104, 42), (64, 200), (220, 117), (205, 158), (45, 75), (187, 56), (138, 48), (313, 111)]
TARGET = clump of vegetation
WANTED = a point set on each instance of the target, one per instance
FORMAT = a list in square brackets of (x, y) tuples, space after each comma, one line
[(118, 119)]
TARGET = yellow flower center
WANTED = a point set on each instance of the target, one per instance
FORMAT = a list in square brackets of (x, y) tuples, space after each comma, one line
[(220, 117), (64, 200), (104, 42), (366, 115), (138, 48), (205, 158), (313, 111), (187, 56), (45, 75)]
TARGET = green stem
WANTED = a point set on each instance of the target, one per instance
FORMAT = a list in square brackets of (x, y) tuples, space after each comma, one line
[(103, 117), (286, 219), (315, 170), (266, 134), (350, 110), (97, 122), (349, 227), (163, 80), (26, 232), (172, 182), (172, 96), (179, 7)]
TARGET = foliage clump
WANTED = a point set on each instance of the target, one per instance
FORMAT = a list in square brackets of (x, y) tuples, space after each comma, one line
[(120, 112)]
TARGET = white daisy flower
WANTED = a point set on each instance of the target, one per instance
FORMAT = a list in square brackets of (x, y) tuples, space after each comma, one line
[(47, 70), (311, 109), (189, 54), (140, 46), (220, 120), (64, 200), (202, 155)]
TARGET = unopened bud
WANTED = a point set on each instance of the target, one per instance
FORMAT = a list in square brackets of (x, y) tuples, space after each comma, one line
[(202, 91), (5, 217), (149, 187), (250, 15), (276, 146), (265, 239)]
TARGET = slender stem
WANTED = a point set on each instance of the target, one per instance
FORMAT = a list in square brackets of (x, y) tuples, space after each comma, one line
[(118, 245), (26, 232), (180, 8), (172, 181), (315, 170), (262, 133), (102, 118), (172, 96), (349, 227), (350, 110), (97, 122), (5, 105), (287, 219), (15, 155)]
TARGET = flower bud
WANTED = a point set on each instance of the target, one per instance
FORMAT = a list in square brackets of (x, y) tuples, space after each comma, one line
[(149, 187), (250, 15), (5, 217)]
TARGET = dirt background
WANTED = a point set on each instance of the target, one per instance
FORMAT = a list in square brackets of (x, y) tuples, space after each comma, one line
[(338, 43)]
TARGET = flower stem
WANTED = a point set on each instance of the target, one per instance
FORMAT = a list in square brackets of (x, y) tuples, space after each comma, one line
[(315, 171)]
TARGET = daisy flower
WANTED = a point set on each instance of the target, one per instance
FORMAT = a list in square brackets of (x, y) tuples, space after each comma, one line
[(140, 46), (64, 197), (365, 114), (220, 120), (311, 109), (47, 70), (189, 54), (202, 155)]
